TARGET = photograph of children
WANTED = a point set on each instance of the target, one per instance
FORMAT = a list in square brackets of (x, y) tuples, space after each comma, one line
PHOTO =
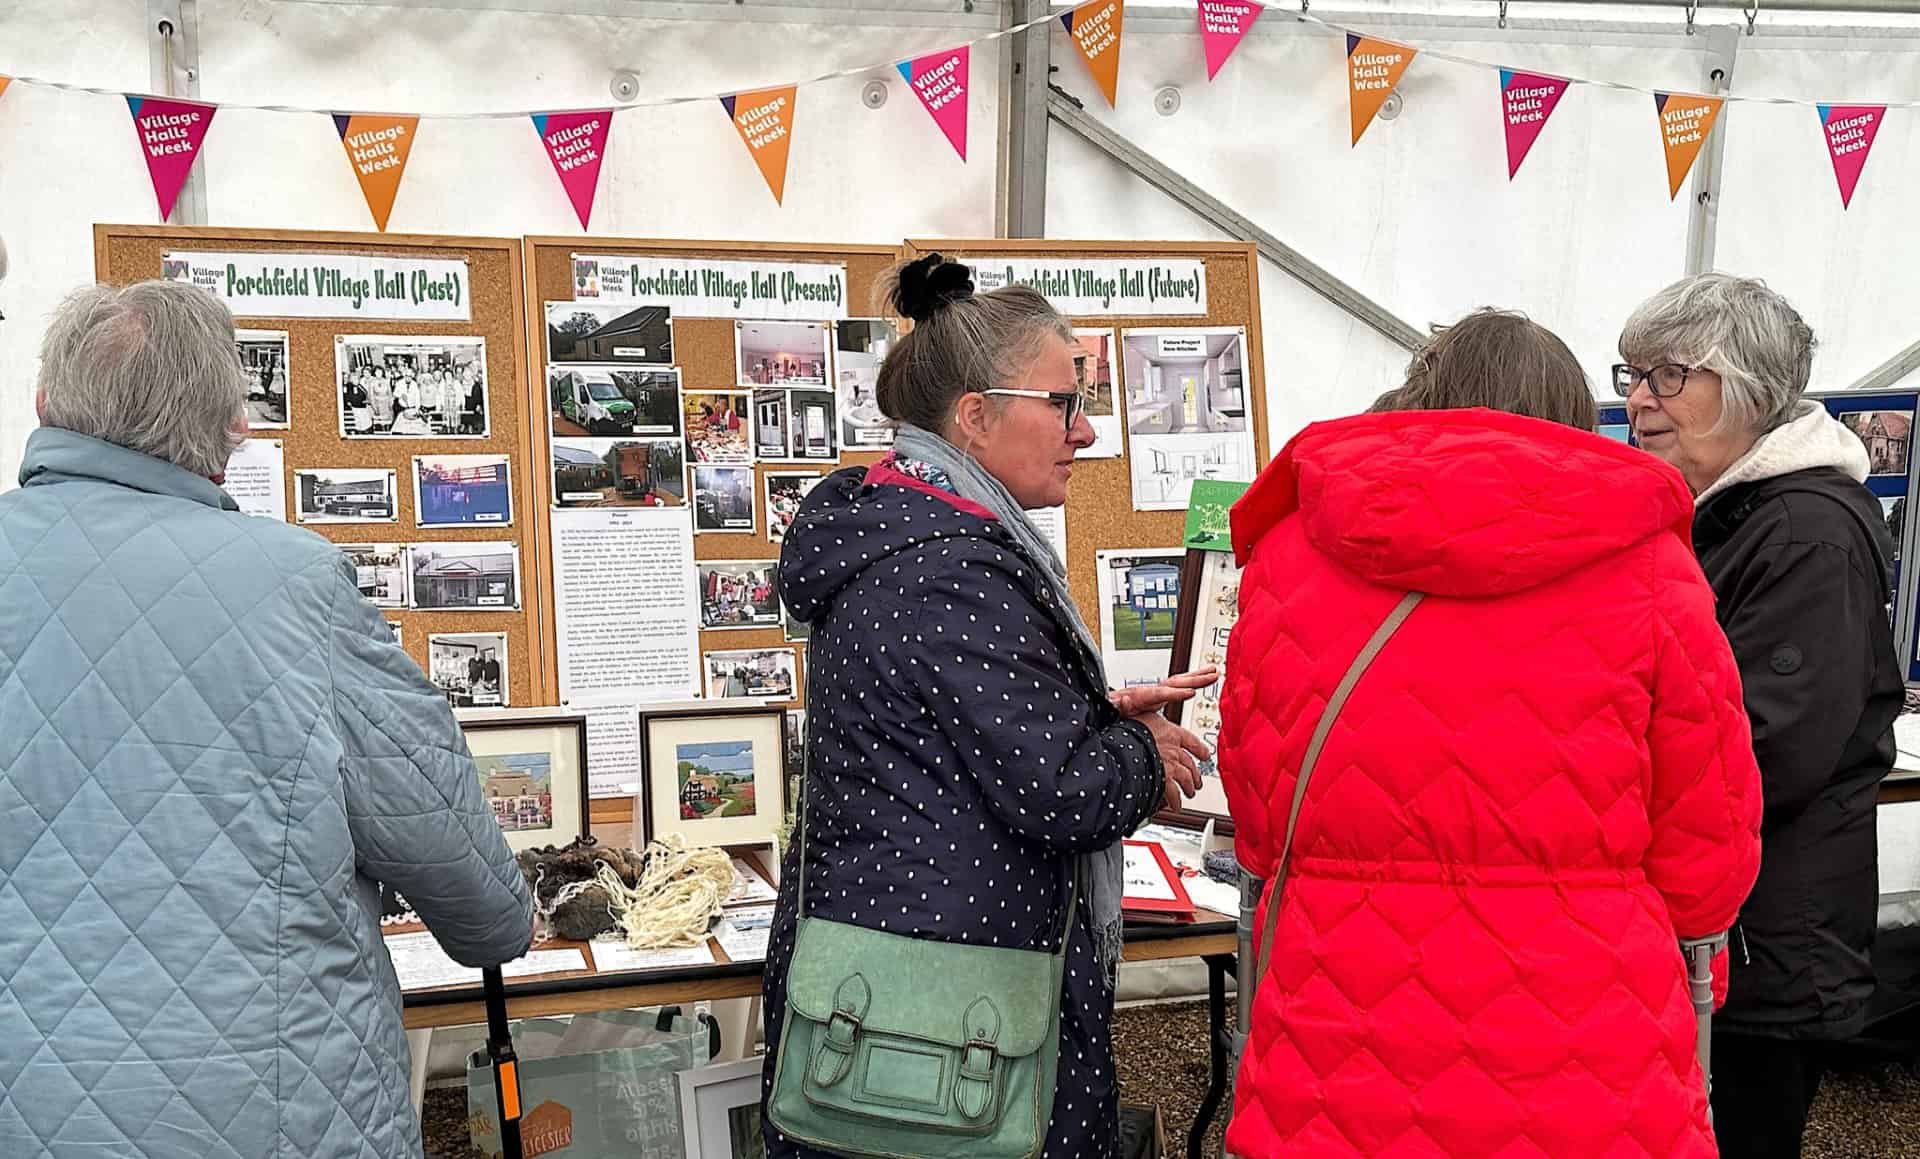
[(737, 593), (462, 490), (1187, 412), (519, 787), (591, 332), (380, 572), (472, 576), (263, 355), (715, 779), (722, 499), (860, 346), (585, 401), (794, 426), (411, 388), (471, 668), (785, 490), (1888, 435), (768, 673), (781, 353), (345, 495), (1139, 607), (1093, 370), (619, 473), (717, 427)]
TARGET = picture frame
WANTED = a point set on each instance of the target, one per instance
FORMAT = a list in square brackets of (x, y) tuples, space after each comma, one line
[(713, 774), (1209, 607), (720, 1110), (533, 772)]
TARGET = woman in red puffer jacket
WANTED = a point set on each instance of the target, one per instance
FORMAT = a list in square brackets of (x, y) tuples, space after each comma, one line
[(1541, 783)]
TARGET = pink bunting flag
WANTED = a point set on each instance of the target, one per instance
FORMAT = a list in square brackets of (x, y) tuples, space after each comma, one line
[(939, 79), (170, 136), (1222, 24), (1526, 101), (1850, 130), (576, 144)]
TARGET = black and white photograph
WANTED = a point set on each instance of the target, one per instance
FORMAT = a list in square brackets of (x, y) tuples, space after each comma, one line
[(785, 490), (345, 495), (768, 673), (1888, 435), (462, 491), (585, 401), (592, 332), (411, 388), (781, 353), (380, 572), (263, 356), (794, 426), (399, 635), (619, 473), (738, 593), (722, 498), (469, 576), (860, 346), (470, 667), (1188, 415)]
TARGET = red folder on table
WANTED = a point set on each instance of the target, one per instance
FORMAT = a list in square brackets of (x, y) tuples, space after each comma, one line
[(1153, 892)]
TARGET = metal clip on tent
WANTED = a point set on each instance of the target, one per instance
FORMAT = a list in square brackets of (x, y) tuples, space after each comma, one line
[(1693, 9), (1503, 13), (506, 1065), (1699, 953), (1753, 14)]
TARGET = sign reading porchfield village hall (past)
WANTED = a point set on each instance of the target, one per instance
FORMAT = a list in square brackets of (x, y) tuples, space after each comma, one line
[(295, 285)]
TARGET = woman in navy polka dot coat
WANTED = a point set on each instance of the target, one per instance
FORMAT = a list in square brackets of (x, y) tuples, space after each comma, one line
[(962, 750)]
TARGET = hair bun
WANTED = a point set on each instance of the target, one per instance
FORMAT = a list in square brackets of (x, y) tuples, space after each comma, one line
[(929, 285)]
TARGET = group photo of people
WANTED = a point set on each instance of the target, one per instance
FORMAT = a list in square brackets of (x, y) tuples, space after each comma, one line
[(412, 388)]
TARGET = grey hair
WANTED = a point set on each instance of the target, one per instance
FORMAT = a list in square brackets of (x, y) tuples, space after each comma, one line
[(151, 367), (977, 343), (1736, 327)]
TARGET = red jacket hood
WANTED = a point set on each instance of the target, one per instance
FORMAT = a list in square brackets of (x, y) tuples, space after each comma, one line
[(1462, 503)]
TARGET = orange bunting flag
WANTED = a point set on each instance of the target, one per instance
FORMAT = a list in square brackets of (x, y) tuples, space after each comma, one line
[(1373, 68), (1685, 121), (1095, 29), (378, 146), (765, 122), (4, 82)]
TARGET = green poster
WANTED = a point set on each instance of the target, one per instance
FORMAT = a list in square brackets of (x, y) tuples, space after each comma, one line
[(1207, 523)]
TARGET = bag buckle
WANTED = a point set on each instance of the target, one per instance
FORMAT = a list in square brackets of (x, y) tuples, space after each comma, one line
[(976, 1061), (973, 1091), (842, 1027), (835, 1056)]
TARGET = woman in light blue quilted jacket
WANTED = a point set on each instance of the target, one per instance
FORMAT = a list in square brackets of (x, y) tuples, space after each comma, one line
[(210, 751)]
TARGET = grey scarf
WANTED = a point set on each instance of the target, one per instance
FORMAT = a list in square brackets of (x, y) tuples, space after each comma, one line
[(1103, 870)]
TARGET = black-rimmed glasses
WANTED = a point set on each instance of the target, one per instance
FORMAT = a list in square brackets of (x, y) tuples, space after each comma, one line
[(1071, 402), (1665, 380)]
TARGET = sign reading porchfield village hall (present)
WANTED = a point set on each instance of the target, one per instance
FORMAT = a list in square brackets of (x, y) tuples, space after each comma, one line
[(294, 285), (1086, 289), (696, 287)]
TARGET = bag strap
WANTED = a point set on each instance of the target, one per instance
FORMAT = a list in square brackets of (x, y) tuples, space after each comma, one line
[(1334, 704)]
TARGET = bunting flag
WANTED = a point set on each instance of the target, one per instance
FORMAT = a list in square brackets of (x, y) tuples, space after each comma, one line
[(170, 134), (1850, 131), (1095, 29), (765, 122), (576, 144), (1222, 24), (1373, 68), (378, 146), (1526, 101), (1685, 121), (5, 80), (939, 79)]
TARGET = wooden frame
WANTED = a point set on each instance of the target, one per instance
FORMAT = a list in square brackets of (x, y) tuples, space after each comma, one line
[(1192, 573), (718, 709), (483, 720)]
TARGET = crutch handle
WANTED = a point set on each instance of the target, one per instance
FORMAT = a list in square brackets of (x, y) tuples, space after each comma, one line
[(1699, 954)]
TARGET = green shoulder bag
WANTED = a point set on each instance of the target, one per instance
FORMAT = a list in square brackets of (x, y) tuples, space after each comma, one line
[(897, 1047)]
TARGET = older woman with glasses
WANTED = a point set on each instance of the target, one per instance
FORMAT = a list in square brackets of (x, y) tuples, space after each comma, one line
[(1799, 558)]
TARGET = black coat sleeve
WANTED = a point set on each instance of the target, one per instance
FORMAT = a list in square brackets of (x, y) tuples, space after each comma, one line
[(1052, 764), (1799, 624)]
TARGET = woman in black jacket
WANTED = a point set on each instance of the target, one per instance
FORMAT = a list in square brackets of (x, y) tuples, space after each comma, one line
[(963, 756), (1799, 557)]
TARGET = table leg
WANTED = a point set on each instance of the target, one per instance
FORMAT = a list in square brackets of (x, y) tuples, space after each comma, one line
[(419, 1045), (1216, 1054)]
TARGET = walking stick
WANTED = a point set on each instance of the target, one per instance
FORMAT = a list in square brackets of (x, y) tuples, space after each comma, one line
[(506, 1066)]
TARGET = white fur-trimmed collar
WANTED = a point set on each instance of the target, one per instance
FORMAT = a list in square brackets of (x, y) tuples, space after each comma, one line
[(1812, 438)]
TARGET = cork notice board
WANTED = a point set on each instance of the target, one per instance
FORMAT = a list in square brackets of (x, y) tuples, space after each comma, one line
[(124, 254), (1100, 512), (703, 349)]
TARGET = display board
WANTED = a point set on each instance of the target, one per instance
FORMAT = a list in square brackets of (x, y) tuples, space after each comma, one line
[(1092, 281), (319, 312)]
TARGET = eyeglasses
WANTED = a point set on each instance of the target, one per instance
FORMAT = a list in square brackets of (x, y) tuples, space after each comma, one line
[(1070, 402), (1665, 380)]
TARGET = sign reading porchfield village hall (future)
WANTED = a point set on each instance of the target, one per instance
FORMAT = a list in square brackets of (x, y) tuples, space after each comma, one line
[(295, 285), (1101, 287)]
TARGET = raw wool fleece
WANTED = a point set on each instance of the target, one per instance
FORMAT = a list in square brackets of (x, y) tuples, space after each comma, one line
[(1542, 780), (585, 913)]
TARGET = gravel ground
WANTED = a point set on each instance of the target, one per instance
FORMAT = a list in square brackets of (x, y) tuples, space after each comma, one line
[(1865, 1111)]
